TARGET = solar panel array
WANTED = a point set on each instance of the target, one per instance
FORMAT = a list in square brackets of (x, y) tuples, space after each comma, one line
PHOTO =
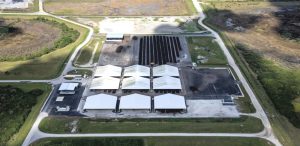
[(159, 50)]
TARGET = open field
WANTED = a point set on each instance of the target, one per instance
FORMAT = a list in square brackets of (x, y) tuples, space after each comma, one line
[(24, 33), (205, 51), (62, 125), (155, 141), (263, 27), (120, 8), (44, 67), (24, 104), (284, 130)]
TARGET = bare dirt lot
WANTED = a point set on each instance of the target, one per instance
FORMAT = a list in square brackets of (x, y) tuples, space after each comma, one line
[(119, 7), (272, 29), (25, 37)]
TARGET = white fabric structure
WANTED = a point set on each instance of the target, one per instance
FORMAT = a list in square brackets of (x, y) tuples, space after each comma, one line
[(114, 37), (137, 70), (169, 101), (68, 86), (100, 102), (105, 83), (136, 83), (135, 101), (165, 70), (108, 70), (166, 82)]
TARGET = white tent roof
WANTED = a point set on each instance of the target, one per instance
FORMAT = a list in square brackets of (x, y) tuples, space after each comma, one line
[(137, 70), (105, 83), (115, 35), (166, 82), (100, 101), (136, 83), (108, 70), (169, 101), (68, 86), (135, 101), (165, 70)]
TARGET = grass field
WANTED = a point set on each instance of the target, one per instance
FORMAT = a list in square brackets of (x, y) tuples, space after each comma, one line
[(18, 125), (207, 48), (62, 125), (45, 67), (296, 104), (155, 141), (120, 8), (283, 129), (87, 52)]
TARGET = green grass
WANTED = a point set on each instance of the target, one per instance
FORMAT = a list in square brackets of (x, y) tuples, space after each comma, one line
[(61, 125), (21, 133), (287, 134), (80, 72), (47, 66), (206, 47), (191, 26), (191, 7), (87, 52), (155, 141), (296, 104), (97, 54)]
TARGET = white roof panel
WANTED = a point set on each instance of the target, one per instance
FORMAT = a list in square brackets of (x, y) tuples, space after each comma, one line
[(165, 70), (115, 35), (167, 82), (137, 70), (108, 70), (136, 83), (68, 86), (169, 101), (105, 83), (100, 101), (135, 101)]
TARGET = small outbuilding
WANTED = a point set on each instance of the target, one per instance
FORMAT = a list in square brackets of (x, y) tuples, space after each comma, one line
[(68, 88), (167, 103), (165, 70), (114, 37), (137, 70), (100, 102), (108, 71), (135, 102)]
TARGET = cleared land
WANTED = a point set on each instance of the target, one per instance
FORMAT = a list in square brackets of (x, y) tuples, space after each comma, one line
[(43, 67), (32, 7), (273, 82), (20, 105), (205, 51), (120, 8), (155, 141), (64, 125)]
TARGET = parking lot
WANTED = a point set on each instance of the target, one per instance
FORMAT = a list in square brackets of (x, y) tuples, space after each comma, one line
[(68, 100)]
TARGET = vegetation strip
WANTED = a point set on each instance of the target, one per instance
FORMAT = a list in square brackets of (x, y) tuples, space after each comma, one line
[(66, 125)]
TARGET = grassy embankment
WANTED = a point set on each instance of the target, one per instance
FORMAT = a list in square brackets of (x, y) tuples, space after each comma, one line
[(24, 107), (62, 125), (283, 129), (45, 67), (155, 141), (86, 52)]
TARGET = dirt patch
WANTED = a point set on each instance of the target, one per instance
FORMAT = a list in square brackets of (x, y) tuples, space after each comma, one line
[(271, 29), (27, 38), (118, 7)]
